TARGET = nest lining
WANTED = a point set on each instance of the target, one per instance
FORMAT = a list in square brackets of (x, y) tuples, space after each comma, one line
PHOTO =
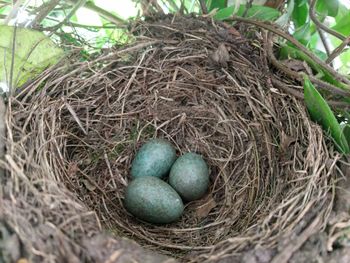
[(197, 85)]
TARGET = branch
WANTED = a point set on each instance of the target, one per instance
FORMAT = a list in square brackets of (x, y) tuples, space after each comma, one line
[(336, 52), (105, 14), (77, 5), (2, 133), (324, 41), (300, 95), (12, 59), (295, 42), (43, 11), (297, 76), (69, 23), (172, 4), (247, 7), (13, 12), (322, 26), (203, 7)]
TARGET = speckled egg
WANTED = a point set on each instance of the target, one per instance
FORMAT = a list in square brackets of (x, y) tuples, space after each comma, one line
[(153, 200), (154, 158), (189, 176)]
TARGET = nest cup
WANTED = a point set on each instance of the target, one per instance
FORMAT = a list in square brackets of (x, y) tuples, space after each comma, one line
[(204, 87)]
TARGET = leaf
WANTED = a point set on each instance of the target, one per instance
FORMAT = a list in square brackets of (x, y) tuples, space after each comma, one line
[(284, 19), (322, 55), (88, 185), (327, 7), (300, 13), (220, 4), (203, 210), (262, 13), (258, 12), (321, 113), (345, 58), (224, 13), (342, 25), (343, 10), (302, 34), (32, 54)]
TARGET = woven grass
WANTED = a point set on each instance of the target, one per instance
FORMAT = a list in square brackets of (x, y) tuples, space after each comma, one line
[(72, 134)]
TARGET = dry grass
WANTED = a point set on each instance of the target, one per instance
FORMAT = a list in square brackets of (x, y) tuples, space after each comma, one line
[(72, 135)]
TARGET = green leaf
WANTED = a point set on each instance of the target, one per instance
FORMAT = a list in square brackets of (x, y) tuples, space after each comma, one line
[(262, 13), (343, 10), (327, 7), (300, 13), (284, 19), (343, 25), (302, 34), (321, 113), (257, 12), (212, 4), (345, 59), (322, 55), (224, 13), (32, 54)]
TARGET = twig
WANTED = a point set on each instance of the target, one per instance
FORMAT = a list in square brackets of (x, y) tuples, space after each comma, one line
[(295, 42), (247, 6), (151, 6), (172, 4), (13, 12), (12, 59), (321, 25), (2, 134), (203, 7), (300, 95), (105, 14), (297, 76), (77, 5), (69, 23), (43, 11), (336, 52), (324, 41)]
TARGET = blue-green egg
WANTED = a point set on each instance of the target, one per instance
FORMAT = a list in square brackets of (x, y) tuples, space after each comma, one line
[(154, 158), (189, 176), (153, 200)]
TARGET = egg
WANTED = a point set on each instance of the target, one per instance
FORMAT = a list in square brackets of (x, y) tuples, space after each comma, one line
[(153, 200), (189, 176), (154, 158)]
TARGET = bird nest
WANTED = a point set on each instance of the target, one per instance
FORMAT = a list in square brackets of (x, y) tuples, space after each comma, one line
[(73, 133)]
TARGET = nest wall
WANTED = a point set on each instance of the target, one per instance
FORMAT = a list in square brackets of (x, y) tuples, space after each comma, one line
[(207, 88)]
